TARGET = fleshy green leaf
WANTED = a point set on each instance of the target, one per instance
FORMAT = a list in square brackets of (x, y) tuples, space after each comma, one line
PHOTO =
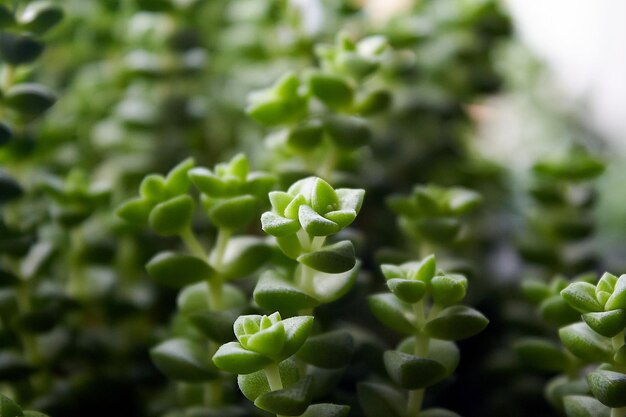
[(438, 412), (392, 312), (276, 293), (29, 99), (40, 16), (583, 406), (233, 213), (255, 384), (172, 216), (177, 181), (326, 410), (585, 343), (541, 354), (608, 387), (448, 289), (379, 400), (276, 225), (297, 331), (292, 401), (328, 350), (232, 357), (413, 372), (456, 323), (215, 325), (178, 270), (332, 259), (607, 323), (8, 408), (582, 297), (243, 256), (408, 290), (330, 287), (315, 224), (305, 136), (183, 360), (348, 132), (136, 211), (334, 91), (555, 310), (618, 298)]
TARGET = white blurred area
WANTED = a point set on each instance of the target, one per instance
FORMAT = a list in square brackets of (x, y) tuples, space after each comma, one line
[(583, 43)]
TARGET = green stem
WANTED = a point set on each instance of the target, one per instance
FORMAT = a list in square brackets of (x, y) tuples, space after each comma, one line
[(618, 340), (223, 235), (192, 243), (422, 342), (618, 412), (272, 372)]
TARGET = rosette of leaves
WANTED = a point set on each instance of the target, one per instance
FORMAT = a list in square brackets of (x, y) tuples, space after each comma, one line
[(301, 219), (268, 375), (423, 304), (564, 197), (434, 214), (598, 338), (321, 115)]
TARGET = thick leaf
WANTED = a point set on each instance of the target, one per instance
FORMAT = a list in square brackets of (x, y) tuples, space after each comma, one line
[(328, 350), (255, 384), (177, 181), (348, 132), (582, 297), (195, 298), (408, 290), (233, 213), (562, 386), (40, 16), (183, 360), (7, 278), (297, 331), (243, 256), (608, 387), (456, 323), (392, 312), (606, 323), (9, 188), (535, 291), (413, 372), (330, 287), (541, 354), (172, 216), (583, 342), (448, 289), (379, 400), (315, 224), (583, 406), (438, 412), (232, 357), (8, 408), (291, 401), (618, 298), (216, 325), (305, 136), (332, 90), (326, 410), (276, 293), (557, 312), (374, 102), (29, 99), (135, 211), (276, 225), (332, 259), (442, 351), (18, 49), (178, 270)]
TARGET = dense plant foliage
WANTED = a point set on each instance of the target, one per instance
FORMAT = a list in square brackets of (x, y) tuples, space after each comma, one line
[(255, 207)]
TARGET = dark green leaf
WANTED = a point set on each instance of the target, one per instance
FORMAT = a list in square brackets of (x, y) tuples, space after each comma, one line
[(172, 216), (583, 342), (292, 401), (413, 372), (18, 49), (178, 270), (183, 360), (334, 91), (392, 312), (456, 323), (276, 293), (541, 354), (332, 259), (29, 99), (328, 350), (608, 387), (379, 400), (606, 323)]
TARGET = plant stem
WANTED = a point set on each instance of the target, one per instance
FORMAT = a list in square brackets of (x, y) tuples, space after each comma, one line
[(217, 255), (272, 372), (192, 243), (416, 397), (618, 340), (618, 412)]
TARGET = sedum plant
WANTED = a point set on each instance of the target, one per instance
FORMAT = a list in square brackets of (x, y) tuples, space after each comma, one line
[(598, 339), (423, 305)]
